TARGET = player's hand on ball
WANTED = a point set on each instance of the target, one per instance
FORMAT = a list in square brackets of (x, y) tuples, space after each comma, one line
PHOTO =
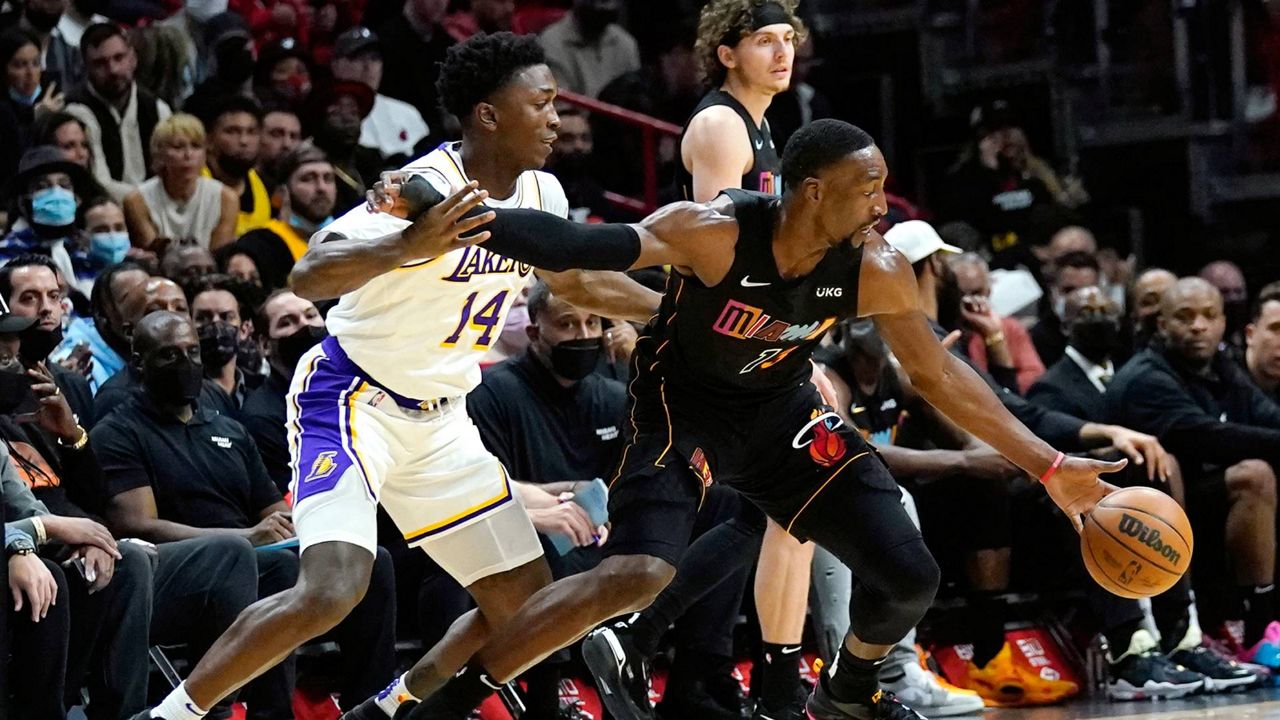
[(1076, 487), (442, 228)]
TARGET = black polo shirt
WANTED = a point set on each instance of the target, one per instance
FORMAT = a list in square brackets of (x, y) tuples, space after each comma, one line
[(264, 414), (204, 473), (1210, 419), (543, 432), (126, 385)]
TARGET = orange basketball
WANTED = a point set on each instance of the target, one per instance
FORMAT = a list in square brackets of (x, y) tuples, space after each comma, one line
[(1137, 542)]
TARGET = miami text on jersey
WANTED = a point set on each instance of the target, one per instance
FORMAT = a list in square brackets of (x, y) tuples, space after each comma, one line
[(745, 322)]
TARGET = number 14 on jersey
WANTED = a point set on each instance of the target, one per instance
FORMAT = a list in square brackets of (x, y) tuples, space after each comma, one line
[(486, 320)]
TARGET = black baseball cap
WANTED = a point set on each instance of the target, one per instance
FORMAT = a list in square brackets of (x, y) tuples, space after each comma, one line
[(11, 324), (355, 41)]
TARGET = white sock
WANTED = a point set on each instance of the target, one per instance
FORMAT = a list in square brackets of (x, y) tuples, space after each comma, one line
[(389, 700), (178, 706)]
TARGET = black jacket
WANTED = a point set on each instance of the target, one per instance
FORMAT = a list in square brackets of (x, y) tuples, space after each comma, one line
[(1065, 387)]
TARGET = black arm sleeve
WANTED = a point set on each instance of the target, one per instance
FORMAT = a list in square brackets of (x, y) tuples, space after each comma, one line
[(539, 238)]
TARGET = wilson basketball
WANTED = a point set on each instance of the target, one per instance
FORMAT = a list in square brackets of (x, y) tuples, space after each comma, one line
[(1137, 542)]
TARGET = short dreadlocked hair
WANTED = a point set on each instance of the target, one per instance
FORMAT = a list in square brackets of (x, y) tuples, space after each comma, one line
[(474, 70), (721, 19)]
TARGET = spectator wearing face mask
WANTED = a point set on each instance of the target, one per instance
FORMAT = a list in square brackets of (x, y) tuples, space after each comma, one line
[(287, 326), (1071, 272), (1229, 280), (1077, 382), (174, 470), (49, 188), (102, 337), (999, 345), (136, 302), (572, 163), (222, 332), (333, 119), (29, 97), (120, 114), (179, 204), (101, 221), (393, 127), (282, 75), (308, 195)]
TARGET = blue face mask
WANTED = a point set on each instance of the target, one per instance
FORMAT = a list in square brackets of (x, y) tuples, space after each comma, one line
[(54, 207), (27, 100), (108, 248)]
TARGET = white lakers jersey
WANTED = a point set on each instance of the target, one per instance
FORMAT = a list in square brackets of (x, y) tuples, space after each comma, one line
[(421, 329)]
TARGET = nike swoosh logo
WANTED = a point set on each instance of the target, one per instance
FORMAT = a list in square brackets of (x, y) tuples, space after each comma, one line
[(759, 144), (790, 650), (746, 282)]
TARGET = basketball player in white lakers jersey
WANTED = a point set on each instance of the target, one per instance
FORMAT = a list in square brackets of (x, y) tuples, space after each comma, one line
[(377, 412)]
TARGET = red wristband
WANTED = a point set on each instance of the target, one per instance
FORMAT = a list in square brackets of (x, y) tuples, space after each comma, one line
[(1057, 463)]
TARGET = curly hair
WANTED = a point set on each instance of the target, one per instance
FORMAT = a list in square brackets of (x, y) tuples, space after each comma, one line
[(721, 19), (473, 70)]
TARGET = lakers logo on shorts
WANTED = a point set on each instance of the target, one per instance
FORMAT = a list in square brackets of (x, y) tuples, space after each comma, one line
[(322, 467)]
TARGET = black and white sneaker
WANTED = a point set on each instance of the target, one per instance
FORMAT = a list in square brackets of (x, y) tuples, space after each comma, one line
[(1144, 673), (1220, 674), (883, 706), (621, 672)]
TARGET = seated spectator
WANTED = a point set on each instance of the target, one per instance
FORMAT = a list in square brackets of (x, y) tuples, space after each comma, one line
[(174, 470), (178, 204), (1145, 300), (233, 125), (1229, 280), (587, 49), (119, 114), (1071, 272), (281, 133), (993, 187), (165, 63), (999, 345), (283, 74), (1076, 383), (393, 127), (187, 264), (119, 604), (287, 326), (483, 16), (416, 32), (30, 289), (573, 164), (28, 98), (48, 190), (332, 120), (1224, 432), (136, 302), (240, 265), (103, 337), (228, 44), (67, 133), (217, 316), (101, 220), (1262, 341), (308, 196)]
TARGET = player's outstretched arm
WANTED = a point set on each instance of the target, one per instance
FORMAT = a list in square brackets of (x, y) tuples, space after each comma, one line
[(888, 294), (605, 293), (338, 265)]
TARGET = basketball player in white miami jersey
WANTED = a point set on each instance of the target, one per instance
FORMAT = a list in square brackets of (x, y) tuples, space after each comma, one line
[(376, 412)]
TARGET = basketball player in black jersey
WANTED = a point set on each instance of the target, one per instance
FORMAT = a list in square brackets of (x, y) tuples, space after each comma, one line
[(746, 48), (722, 393)]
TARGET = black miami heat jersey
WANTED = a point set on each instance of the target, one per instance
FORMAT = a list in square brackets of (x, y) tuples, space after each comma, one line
[(748, 339), (765, 172)]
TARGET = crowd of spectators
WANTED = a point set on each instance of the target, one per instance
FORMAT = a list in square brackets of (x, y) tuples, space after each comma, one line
[(167, 163)]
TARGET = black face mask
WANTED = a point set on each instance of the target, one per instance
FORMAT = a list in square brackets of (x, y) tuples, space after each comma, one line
[(576, 359), (219, 342), (16, 396), (37, 344), (176, 383), (249, 356), (41, 20), (1237, 316), (593, 21), (1095, 338), (235, 62), (291, 348)]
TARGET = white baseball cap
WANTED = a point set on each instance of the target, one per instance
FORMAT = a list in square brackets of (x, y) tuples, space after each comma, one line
[(917, 240)]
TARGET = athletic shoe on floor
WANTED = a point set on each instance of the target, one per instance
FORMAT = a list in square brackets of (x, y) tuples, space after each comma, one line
[(923, 691), (369, 710), (1143, 673), (1221, 673), (1267, 651), (621, 672), (1004, 682), (883, 706)]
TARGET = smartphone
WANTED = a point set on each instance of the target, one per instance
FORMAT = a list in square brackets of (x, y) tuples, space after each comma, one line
[(29, 403)]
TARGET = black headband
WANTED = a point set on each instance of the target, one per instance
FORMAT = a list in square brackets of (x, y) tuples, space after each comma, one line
[(763, 15)]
